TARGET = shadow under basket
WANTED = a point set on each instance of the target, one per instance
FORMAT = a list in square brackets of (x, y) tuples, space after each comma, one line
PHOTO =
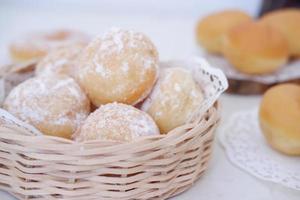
[(39, 167)]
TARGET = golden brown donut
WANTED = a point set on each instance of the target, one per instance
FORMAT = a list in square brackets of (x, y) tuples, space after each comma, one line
[(120, 66), (255, 48), (174, 98), (62, 60), (117, 122), (37, 45), (211, 29), (279, 117), (287, 21), (54, 104)]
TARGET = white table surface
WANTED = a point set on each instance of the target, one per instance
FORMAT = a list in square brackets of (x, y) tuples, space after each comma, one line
[(174, 38)]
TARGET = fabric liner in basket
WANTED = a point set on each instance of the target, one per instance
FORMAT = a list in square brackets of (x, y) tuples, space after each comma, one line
[(13, 74), (35, 166)]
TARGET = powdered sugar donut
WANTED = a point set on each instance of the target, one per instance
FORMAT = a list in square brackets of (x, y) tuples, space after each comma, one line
[(62, 60), (174, 98), (54, 104), (120, 67), (117, 122), (37, 45)]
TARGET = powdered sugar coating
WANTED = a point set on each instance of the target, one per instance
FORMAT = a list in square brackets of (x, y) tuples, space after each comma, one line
[(174, 98), (123, 62), (63, 60), (54, 104), (117, 122)]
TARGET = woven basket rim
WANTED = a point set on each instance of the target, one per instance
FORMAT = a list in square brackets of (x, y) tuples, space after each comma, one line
[(66, 141)]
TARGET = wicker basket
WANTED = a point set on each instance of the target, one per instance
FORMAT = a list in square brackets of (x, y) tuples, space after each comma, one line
[(35, 166), (43, 167)]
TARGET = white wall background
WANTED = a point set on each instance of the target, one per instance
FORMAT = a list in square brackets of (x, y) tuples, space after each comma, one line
[(152, 7), (169, 23)]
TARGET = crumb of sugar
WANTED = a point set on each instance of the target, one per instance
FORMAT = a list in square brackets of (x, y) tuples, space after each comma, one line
[(118, 40), (177, 87), (193, 93), (60, 62), (62, 83), (100, 69), (125, 67), (158, 114), (113, 40), (148, 62)]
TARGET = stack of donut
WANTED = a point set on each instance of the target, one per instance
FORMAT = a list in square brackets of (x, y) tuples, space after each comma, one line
[(252, 47), (261, 47), (110, 88)]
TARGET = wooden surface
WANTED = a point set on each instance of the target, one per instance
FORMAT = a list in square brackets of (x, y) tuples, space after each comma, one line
[(245, 87)]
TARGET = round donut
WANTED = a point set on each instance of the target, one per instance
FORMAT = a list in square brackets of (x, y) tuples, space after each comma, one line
[(174, 98), (279, 117), (287, 22), (117, 122), (120, 66), (54, 104), (211, 29), (36, 45), (255, 48), (62, 60)]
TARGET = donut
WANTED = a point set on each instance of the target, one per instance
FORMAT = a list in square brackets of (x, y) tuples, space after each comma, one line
[(54, 104), (279, 117), (211, 29), (34, 46), (62, 60), (121, 66), (174, 98), (255, 48), (116, 122), (287, 22)]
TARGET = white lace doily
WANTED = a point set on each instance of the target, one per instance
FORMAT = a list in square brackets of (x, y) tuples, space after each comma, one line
[(288, 72), (247, 148)]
